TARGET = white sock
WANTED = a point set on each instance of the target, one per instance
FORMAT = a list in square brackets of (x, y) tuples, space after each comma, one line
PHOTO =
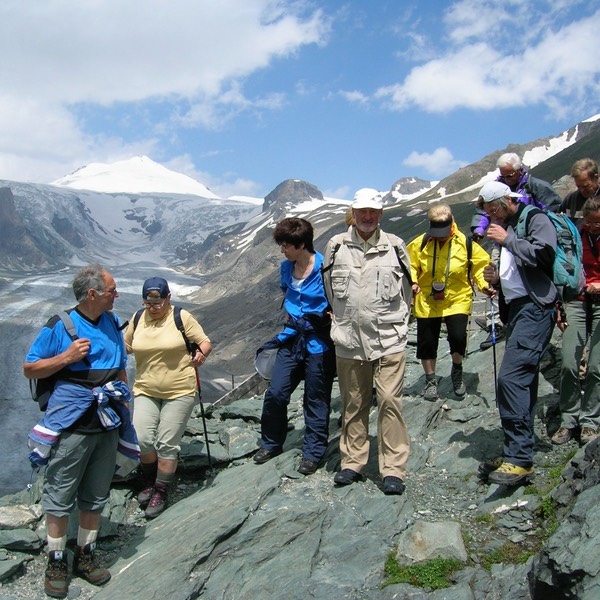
[(57, 543), (86, 536)]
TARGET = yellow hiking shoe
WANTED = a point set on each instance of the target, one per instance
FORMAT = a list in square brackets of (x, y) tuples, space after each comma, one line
[(487, 466), (509, 474)]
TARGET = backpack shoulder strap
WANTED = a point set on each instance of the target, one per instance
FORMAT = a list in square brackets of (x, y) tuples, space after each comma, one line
[(469, 243), (137, 317), (522, 227), (179, 325), (71, 330), (331, 259), (424, 241), (65, 317), (403, 266)]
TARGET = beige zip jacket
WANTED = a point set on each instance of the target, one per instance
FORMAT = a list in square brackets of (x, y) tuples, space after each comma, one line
[(369, 294)]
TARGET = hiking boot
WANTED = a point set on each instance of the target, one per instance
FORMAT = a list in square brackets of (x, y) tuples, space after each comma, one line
[(587, 435), (145, 494), (307, 466), (264, 455), (86, 566), (562, 436), (159, 500), (487, 466), (482, 322), (457, 380), (56, 579), (487, 343), (431, 389), (509, 474), (346, 477), (393, 486), (146, 481)]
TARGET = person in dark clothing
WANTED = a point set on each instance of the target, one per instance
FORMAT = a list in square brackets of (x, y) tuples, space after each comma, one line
[(305, 352), (523, 278), (585, 174), (530, 190)]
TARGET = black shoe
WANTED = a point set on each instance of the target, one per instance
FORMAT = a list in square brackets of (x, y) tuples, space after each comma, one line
[(264, 455), (393, 485), (307, 466), (487, 343), (346, 477)]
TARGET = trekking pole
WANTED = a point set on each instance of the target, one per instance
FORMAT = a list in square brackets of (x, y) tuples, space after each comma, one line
[(493, 330), (210, 467)]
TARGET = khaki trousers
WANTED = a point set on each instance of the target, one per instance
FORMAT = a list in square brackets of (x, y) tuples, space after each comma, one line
[(356, 379)]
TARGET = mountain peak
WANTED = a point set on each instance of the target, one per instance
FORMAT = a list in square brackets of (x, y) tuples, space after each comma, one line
[(136, 175)]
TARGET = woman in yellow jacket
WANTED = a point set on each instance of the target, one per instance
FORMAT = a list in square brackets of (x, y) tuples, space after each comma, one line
[(443, 279)]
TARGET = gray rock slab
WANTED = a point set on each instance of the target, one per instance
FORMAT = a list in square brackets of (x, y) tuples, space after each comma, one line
[(424, 541)]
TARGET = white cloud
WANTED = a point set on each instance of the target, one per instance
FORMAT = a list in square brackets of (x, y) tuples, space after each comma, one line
[(440, 162), (355, 96), (224, 186), (503, 56), (191, 53)]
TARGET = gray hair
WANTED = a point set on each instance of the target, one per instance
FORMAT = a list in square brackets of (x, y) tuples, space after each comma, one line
[(505, 201), (90, 277), (591, 205), (509, 159)]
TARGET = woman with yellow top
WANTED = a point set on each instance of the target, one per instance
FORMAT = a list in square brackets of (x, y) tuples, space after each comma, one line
[(164, 389), (443, 277)]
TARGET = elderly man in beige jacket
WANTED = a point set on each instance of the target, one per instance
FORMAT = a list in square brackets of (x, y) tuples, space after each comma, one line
[(367, 282)]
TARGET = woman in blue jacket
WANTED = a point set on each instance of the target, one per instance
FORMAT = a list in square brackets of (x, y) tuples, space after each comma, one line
[(306, 351)]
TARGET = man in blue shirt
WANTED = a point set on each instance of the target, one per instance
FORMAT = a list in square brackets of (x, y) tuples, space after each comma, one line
[(82, 461)]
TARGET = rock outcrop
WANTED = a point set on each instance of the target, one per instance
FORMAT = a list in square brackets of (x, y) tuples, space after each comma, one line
[(246, 531)]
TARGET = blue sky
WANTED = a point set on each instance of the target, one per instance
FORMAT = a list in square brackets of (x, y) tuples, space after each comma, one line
[(243, 94)]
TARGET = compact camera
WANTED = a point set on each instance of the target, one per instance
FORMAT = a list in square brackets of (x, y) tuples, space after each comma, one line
[(438, 290)]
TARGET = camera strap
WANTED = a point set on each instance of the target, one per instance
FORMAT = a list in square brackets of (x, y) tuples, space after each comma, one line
[(435, 245)]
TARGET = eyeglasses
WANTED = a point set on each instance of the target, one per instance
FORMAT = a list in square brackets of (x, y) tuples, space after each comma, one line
[(492, 213), (156, 305), (112, 292), (285, 245), (509, 175), (591, 224)]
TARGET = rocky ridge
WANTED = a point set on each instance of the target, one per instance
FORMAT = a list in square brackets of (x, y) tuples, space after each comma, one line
[(244, 531)]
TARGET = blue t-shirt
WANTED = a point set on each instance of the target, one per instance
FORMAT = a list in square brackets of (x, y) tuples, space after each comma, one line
[(106, 358)]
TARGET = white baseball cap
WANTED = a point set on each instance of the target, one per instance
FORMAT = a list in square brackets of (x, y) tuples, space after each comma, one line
[(368, 198), (495, 190)]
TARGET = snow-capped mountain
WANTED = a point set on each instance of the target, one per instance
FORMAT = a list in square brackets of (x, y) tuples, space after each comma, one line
[(138, 175), (218, 254)]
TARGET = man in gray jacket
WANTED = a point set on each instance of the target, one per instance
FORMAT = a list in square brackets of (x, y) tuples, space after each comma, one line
[(528, 308), (369, 291)]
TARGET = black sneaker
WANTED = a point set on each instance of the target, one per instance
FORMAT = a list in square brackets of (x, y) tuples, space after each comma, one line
[(56, 578), (86, 566), (487, 343), (393, 486), (346, 477)]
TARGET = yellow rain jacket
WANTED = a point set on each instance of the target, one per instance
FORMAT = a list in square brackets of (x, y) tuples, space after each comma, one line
[(458, 293)]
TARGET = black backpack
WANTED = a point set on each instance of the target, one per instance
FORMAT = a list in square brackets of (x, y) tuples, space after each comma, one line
[(41, 389)]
